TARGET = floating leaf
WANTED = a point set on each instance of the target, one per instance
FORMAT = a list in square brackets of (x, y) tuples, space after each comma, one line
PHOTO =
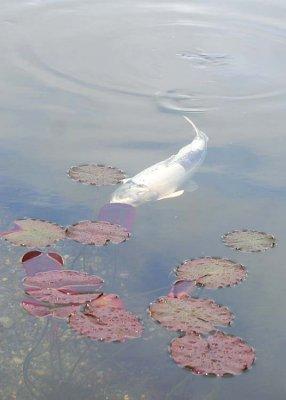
[(182, 289), (98, 175), (39, 309), (97, 233), (36, 261), (189, 315), (106, 323), (59, 279), (34, 233), (249, 241), (211, 272), (59, 296), (219, 354)]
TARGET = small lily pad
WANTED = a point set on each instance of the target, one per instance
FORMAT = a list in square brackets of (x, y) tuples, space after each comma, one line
[(34, 233), (249, 240), (219, 354), (40, 309), (97, 233), (36, 261), (105, 322), (96, 174), (189, 315), (211, 272)]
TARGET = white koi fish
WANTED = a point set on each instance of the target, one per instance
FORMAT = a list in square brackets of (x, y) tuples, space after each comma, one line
[(166, 179)]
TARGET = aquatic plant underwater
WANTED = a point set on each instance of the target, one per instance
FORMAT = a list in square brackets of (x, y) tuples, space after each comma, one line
[(77, 297)]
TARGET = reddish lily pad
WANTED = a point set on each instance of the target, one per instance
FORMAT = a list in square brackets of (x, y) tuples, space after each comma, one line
[(211, 272), (97, 233), (95, 174), (61, 296), (34, 233), (219, 354), (60, 279), (249, 241), (104, 319), (189, 315), (36, 261), (39, 309)]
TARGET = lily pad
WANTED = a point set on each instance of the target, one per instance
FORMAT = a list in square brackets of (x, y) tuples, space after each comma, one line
[(211, 272), (97, 233), (36, 261), (39, 309), (106, 323), (189, 315), (219, 354), (60, 279), (34, 233), (182, 289), (96, 174), (249, 240)]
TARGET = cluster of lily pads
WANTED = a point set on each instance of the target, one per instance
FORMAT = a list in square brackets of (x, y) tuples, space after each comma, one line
[(77, 297), (201, 347)]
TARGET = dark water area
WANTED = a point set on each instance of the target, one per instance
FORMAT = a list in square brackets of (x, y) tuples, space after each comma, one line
[(108, 82)]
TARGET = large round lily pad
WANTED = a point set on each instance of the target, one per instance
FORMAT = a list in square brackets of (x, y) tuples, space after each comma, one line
[(106, 321), (189, 315), (211, 272), (97, 233), (249, 241), (95, 174), (34, 233), (219, 354)]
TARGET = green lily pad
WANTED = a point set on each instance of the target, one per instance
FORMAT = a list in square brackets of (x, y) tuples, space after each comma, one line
[(96, 174), (189, 315), (249, 240), (219, 354), (34, 233), (211, 272)]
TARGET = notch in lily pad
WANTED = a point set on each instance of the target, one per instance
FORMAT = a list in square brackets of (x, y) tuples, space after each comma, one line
[(211, 272), (96, 174), (98, 233), (36, 261), (34, 233), (219, 354), (249, 241)]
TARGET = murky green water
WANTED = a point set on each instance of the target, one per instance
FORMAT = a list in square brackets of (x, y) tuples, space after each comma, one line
[(108, 81)]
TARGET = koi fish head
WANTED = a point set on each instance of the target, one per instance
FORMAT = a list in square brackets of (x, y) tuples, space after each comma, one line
[(132, 193)]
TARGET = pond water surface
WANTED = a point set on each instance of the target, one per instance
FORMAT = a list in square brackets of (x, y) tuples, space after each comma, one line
[(108, 82)]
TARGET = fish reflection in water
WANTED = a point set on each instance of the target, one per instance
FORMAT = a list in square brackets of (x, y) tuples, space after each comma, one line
[(164, 180)]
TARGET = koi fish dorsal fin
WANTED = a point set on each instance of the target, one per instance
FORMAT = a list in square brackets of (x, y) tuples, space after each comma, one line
[(170, 196)]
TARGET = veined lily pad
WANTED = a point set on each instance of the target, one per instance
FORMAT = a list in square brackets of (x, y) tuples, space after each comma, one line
[(106, 323), (36, 261), (97, 233), (219, 354), (211, 272), (189, 315), (59, 279), (34, 233), (249, 241), (99, 175), (40, 309)]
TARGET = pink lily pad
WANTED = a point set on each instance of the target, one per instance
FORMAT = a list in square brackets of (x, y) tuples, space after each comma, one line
[(34, 233), (59, 296), (219, 354), (59, 279), (211, 272), (97, 233), (95, 174), (190, 315), (36, 261), (249, 241), (106, 323), (39, 309)]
